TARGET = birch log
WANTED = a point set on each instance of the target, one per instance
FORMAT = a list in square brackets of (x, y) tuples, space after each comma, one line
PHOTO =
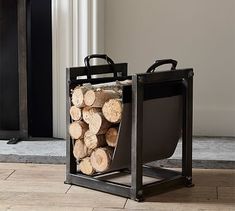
[(111, 137), (109, 85), (87, 112), (93, 141), (86, 167), (80, 150), (98, 124), (98, 98), (75, 113), (112, 110), (101, 158), (77, 129), (78, 96)]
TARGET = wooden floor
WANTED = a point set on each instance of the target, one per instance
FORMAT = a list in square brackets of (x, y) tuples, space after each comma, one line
[(40, 187)]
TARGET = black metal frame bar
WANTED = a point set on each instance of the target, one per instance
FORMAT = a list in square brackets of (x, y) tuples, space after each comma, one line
[(170, 178), (22, 65), (22, 70)]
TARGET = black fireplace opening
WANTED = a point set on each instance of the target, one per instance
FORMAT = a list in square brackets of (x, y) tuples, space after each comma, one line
[(38, 51), (40, 68), (9, 80)]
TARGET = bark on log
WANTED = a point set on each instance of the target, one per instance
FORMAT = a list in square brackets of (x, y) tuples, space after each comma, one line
[(86, 167), (77, 129), (93, 141), (80, 150), (108, 85), (87, 112), (75, 113), (112, 110), (98, 98), (98, 124), (111, 137), (78, 96), (101, 158)]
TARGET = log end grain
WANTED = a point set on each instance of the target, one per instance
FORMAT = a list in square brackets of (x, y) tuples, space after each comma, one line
[(77, 97), (77, 129), (93, 141), (89, 98), (101, 159), (86, 167), (87, 112), (75, 113), (95, 123), (112, 137), (80, 150), (112, 110)]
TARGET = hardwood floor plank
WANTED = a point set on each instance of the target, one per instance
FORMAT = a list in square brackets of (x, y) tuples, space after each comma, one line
[(4, 207), (33, 186), (60, 200), (172, 206), (94, 195), (26, 166), (195, 194), (215, 177), (4, 173), (110, 209), (177, 197), (226, 194), (45, 208), (38, 175), (38, 187)]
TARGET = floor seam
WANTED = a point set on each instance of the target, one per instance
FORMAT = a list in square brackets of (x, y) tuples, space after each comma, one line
[(10, 174), (217, 193), (124, 206), (68, 189)]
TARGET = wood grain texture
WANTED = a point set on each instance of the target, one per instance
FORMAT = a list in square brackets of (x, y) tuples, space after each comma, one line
[(226, 194), (91, 199), (30, 166), (214, 177), (44, 208), (33, 186), (4, 173), (40, 187), (38, 175)]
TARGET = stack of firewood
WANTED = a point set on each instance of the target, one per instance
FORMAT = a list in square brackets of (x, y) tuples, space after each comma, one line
[(96, 112)]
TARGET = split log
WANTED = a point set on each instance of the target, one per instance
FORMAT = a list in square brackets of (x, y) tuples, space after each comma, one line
[(78, 96), (109, 85), (101, 158), (98, 124), (87, 112), (98, 98), (77, 129), (80, 150), (93, 141), (86, 167), (112, 136), (112, 110), (75, 113)]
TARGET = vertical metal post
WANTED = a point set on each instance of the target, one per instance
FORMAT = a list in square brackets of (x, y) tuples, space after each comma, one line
[(22, 67), (71, 166), (187, 130), (137, 138)]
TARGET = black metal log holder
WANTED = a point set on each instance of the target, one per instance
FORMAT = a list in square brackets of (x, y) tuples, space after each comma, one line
[(167, 95)]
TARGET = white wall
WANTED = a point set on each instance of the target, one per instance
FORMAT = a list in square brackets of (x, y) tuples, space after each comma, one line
[(62, 56), (77, 30), (197, 33)]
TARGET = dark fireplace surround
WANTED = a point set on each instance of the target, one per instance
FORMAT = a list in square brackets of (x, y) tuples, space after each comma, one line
[(25, 69)]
